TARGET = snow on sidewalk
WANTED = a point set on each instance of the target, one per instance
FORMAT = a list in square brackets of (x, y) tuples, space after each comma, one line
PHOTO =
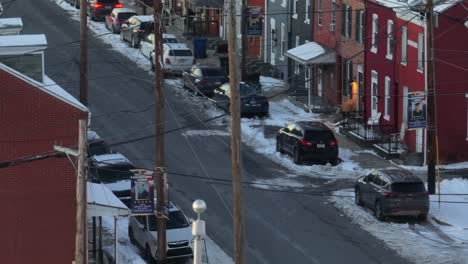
[(427, 242)]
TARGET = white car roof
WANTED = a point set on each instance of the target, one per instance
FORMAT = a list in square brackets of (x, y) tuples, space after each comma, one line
[(124, 10), (92, 135), (169, 35), (110, 159), (145, 18)]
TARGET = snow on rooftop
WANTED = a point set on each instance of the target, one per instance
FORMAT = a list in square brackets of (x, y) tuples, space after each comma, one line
[(115, 158), (23, 40), (102, 200), (11, 22), (145, 18), (92, 135), (402, 6), (60, 93), (307, 51)]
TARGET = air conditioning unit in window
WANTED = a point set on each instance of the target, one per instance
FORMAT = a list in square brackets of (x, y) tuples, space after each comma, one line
[(332, 27)]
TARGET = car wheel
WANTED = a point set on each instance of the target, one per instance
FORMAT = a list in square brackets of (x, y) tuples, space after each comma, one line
[(357, 196), (422, 217), (334, 162), (148, 255), (279, 145), (297, 156), (131, 236), (378, 211)]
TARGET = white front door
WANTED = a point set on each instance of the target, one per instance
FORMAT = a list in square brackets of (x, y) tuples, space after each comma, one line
[(272, 41), (319, 82), (374, 95)]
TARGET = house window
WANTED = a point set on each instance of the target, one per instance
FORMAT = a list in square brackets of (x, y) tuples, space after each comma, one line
[(360, 26), (283, 40), (295, 9), (390, 39), (319, 12), (387, 98), (332, 16), (375, 22), (375, 90), (420, 52), (296, 64), (347, 77), (307, 12), (346, 20), (404, 45)]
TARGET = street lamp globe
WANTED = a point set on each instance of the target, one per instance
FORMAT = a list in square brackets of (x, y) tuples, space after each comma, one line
[(199, 206)]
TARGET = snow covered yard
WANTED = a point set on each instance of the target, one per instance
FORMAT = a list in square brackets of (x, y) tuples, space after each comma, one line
[(427, 242)]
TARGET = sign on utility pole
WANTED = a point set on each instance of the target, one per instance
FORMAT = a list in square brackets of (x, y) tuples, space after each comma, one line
[(235, 135), (159, 175)]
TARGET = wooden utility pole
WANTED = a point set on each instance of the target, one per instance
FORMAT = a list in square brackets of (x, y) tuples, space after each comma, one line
[(158, 176), (244, 42), (83, 53), (235, 136), (431, 102), (81, 241)]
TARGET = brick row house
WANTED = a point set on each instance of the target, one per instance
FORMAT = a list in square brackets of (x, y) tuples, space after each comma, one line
[(393, 119), (38, 197)]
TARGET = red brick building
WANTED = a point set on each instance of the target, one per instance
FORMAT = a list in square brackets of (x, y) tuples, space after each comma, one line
[(37, 198)]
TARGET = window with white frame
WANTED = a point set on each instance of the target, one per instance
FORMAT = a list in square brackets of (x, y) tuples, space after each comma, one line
[(295, 9), (404, 45), (360, 26), (319, 12), (346, 18), (307, 12), (332, 16), (390, 39), (283, 40), (375, 92), (387, 98), (420, 52), (296, 64), (375, 24)]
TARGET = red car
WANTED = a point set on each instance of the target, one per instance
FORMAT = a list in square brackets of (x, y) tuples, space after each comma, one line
[(117, 17)]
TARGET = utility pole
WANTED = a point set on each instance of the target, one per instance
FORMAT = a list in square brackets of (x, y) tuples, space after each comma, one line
[(235, 136), (244, 42), (431, 103), (83, 53), (159, 175), (81, 240)]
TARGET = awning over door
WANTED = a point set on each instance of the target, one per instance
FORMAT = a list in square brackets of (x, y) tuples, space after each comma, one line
[(103, 202), (312, 53)]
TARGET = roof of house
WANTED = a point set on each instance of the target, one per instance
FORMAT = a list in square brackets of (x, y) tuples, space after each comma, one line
[(23, 40), (11, 22), (49, 87), (402, 6), (102, 202), (311, 53)]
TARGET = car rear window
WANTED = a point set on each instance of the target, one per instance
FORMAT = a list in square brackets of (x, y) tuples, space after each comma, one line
[(170, 40), (213, 72), (108, 1), (125, 15), (408, 187), (147, 26), (319, 135), (180, 53)]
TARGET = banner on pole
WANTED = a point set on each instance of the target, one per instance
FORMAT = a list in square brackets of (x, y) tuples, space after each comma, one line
[(254, 21), (142, 192), (416, 111)]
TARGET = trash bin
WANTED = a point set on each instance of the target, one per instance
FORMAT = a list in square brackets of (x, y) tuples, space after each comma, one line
[(199, 48)]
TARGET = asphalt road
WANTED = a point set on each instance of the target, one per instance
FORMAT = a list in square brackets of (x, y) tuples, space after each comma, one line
[(280, 227)]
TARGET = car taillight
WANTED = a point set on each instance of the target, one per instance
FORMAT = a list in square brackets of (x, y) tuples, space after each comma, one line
[(119, 5), (392, 195), (307, 143), (333, 143), (97, 5), (168, 61)]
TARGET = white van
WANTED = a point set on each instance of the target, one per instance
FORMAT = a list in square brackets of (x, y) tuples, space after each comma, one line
[(142, 233), (177, 58)]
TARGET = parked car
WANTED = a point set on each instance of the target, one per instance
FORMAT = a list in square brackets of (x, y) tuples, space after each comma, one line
[(117, 17), (204, 79), (135, 29), (308, 141), (252, 102), (96, 145), (112, 170), (147, 45), (142, 233), (392, 192), (98, 9), (177, 58)]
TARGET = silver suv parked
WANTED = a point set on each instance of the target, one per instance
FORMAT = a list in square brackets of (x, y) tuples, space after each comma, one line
[(392, 192)]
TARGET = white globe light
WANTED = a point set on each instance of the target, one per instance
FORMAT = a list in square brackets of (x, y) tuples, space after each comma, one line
[(199, 206)]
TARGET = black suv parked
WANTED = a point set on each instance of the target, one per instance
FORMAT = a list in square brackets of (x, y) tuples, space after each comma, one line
[(99, 9), (307, 141)]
